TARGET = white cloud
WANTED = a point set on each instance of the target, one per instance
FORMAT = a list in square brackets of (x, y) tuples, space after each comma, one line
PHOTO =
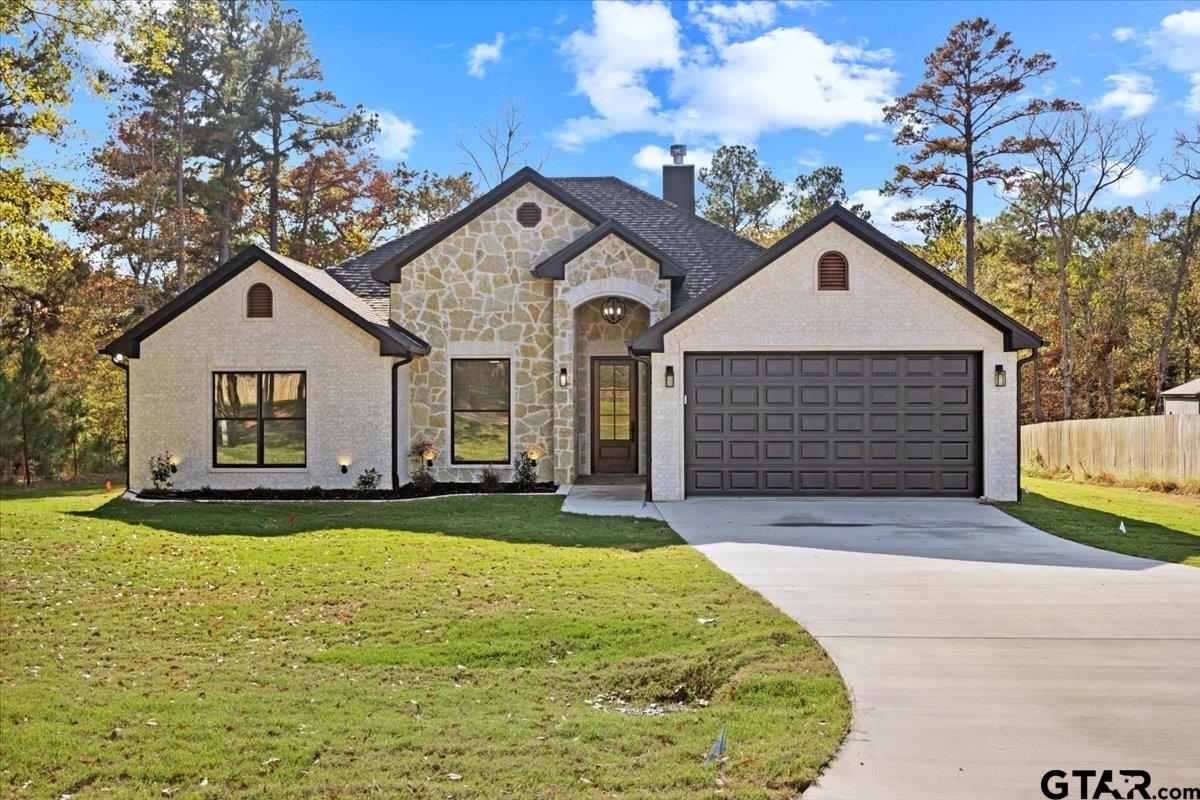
[(1131, 92), (784, 78), (611, 65), (1176, 41), (1192, 103), (811, 158), (883, 208), (395, 137), (1123, 34), (484, 53), (720, 21), (1136, 184), (873, 136), (652, 157)]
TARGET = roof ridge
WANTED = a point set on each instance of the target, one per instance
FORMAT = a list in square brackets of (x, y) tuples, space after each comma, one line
[(698, 217)]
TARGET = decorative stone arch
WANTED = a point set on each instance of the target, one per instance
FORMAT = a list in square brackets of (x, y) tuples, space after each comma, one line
[(655, 298)]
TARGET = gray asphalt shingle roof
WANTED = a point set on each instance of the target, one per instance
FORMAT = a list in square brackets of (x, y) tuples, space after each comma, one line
[(706, 251)]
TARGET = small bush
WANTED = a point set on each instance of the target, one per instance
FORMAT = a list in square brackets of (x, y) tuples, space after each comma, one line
[(489, 479), (160, 471), (524, 471), (368, 480), (421, 480)]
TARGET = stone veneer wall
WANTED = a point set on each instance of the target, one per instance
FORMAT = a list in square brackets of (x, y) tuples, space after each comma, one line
[(473, 295), (886, 308), (610, 267), (596, 337)]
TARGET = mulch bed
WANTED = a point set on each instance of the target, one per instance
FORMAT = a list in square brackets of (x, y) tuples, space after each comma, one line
[(405, 492)]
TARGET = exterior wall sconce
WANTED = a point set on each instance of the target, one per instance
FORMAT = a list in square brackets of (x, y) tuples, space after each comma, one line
[(1001, 378), (562, 377), (669, 378), (429, 455), (344, 463), (535, 454), (613, 310), (174, 464), (118, 359)]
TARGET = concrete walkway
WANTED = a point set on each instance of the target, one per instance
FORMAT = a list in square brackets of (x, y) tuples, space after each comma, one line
[(610, 500), (979, 652)]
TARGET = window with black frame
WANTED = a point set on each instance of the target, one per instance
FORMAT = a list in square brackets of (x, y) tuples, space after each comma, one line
[(479, 411), (259, 419)]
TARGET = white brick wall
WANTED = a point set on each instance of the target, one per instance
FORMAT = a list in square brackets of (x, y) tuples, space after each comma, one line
[(348, 409), (887, 308)]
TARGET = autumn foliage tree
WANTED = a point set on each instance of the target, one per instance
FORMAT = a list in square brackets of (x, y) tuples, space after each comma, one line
[(959, 120)]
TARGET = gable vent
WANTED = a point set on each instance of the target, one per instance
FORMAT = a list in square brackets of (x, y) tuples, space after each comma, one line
[(258, 301), (529, 214), (833, 272)]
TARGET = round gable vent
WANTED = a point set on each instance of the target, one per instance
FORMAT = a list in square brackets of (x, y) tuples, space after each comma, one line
[(529, 214)]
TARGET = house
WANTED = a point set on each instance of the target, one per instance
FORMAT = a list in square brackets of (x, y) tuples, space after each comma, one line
[(603, 329), (1183, 399)]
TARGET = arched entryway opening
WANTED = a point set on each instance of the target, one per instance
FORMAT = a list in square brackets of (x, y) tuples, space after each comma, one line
[(611, 404)]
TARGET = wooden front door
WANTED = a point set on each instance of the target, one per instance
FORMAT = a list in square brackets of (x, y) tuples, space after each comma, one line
[(614, 415)]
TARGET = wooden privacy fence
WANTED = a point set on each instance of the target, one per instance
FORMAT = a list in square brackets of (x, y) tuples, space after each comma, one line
[(1167, 446)]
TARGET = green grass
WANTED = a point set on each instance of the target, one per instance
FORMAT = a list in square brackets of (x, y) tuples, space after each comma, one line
[(375, 649), (1157, 525)]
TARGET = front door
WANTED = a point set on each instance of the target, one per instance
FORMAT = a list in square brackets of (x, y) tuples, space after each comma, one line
[(614, 415)]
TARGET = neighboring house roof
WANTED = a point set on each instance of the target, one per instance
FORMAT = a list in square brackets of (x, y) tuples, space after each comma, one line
[(1016, 335), (1184, 390), (702, 250), (555, 265), (393, 339)]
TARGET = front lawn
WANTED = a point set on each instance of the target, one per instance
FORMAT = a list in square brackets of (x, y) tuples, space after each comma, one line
[(1157, 525), (465, 647)]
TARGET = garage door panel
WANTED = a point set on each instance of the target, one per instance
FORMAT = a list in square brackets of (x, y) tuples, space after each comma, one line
[(853, 424)]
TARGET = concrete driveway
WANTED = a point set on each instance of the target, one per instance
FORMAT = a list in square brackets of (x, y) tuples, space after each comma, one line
[(979, 652)]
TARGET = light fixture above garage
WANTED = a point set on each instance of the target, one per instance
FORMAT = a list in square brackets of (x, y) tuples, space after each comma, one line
[(613, 310), (1001, 378)]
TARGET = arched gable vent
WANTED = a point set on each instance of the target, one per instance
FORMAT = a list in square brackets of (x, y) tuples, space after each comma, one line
[(833, 272), (258, 301)]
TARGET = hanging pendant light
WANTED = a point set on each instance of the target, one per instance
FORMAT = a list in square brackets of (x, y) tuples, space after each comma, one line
[(613, 310)]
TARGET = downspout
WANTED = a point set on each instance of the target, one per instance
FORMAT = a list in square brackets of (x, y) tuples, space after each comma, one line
[(1020, 363), (396, 365), (120, 361), (649, 389)]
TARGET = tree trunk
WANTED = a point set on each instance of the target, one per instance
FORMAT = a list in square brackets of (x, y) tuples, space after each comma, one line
[(1038, 414), (970, 222), (273, 185), (25, 446), (1164, 346), (1064, 327)]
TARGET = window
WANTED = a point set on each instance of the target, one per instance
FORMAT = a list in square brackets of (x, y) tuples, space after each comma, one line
[(833, 273), (479, 411), (258, 301), (259, 419), (529, 214)]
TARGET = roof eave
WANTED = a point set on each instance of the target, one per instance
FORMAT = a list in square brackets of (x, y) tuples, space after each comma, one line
[(1016, 335), (389, 271), (554, 266), (128, 344)]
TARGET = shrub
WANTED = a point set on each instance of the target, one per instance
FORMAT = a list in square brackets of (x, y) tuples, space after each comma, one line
[(489, 479), (160, 471), (524, 471), (368, 480), (421, 480)]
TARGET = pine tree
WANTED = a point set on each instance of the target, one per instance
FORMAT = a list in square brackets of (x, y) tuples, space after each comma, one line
[(29, 394), (742, 191)]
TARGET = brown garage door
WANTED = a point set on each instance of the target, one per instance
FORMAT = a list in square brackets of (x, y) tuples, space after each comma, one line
[(833, 423)]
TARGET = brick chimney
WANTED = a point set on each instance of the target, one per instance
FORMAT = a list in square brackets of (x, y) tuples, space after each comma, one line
[(679, 180)]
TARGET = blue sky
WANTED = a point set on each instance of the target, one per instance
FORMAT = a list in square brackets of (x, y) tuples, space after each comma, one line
[(607, 87)]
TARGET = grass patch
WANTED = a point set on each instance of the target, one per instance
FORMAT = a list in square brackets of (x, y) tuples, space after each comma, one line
[(1161, 526), (346, 649)]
